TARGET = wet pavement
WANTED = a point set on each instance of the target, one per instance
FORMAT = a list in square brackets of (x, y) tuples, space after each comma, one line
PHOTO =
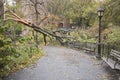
[(66, 64)]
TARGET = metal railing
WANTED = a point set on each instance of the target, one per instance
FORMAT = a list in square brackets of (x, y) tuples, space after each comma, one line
[(105, 47)]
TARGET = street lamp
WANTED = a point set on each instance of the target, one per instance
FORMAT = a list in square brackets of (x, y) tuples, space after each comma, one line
[(100, 12)]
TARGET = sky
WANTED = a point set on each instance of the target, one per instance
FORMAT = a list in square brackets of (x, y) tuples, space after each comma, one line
[(10, 2)]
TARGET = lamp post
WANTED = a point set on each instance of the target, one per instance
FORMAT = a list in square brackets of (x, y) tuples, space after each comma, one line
[(100, 14)]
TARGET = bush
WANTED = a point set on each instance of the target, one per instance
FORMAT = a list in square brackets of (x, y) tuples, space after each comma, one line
[(18, 52)]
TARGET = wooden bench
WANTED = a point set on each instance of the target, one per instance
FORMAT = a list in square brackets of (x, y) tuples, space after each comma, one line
[(113, 59), (90, 47)]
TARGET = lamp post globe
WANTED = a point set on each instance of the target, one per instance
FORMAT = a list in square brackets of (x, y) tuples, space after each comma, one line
[(100, 12)]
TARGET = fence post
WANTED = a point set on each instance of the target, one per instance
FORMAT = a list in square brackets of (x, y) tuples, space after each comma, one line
[(102, 50)]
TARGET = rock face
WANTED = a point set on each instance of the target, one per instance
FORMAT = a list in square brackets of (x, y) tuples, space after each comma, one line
[(1, 9)]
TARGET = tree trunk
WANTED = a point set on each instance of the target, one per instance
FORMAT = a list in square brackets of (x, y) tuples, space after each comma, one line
[(1, 9)]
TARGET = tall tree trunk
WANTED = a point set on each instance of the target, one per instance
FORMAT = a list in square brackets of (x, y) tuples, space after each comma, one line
[(1, 9), (37, 22), (14, 36)]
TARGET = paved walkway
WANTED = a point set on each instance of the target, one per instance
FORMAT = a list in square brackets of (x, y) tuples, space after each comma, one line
[(65, 64)]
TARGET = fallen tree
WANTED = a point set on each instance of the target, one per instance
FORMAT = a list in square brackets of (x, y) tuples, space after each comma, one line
[(13, 16)]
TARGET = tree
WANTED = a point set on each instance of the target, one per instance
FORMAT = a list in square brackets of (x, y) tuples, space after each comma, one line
[(112, 12), (81, 12), (38, 14), (1, 9)]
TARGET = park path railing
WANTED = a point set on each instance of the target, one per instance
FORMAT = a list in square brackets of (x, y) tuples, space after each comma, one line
[(105, 47), (91, 47)]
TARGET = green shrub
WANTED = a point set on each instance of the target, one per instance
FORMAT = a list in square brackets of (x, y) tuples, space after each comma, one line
[(16, 53)]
